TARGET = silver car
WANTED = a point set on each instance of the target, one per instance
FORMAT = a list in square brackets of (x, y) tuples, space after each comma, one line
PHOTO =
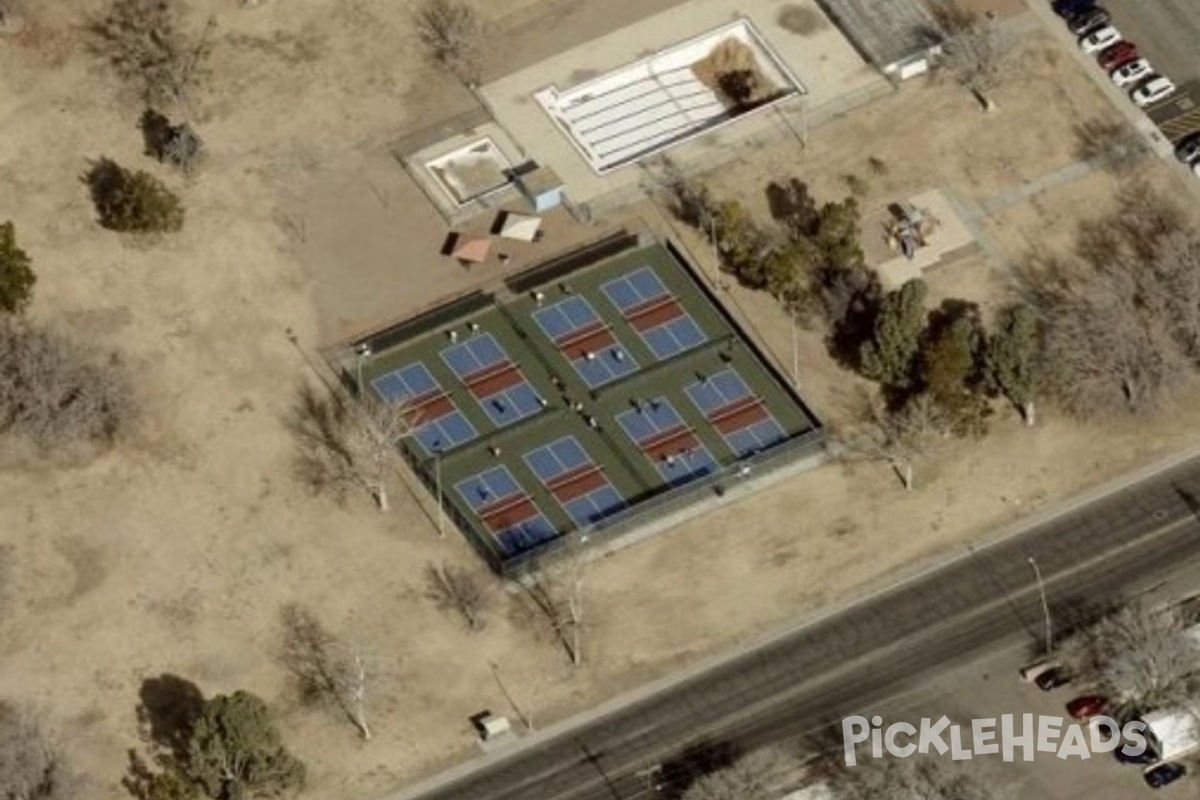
[(1152, 91), (1131, 73)]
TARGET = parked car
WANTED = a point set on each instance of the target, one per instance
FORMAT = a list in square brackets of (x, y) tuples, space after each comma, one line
[(1117, 55), (1146, 756), (1069, 8), (1088, 706), (1087, 21), (1046, 675), (1131, 72), (1188, 149), (1162, 774), (1152, 91), (1099, 39)]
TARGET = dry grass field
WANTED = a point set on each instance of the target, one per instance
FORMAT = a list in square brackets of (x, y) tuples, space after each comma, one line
[(175, 552)]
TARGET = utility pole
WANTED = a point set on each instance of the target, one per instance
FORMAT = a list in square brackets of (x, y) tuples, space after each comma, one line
[(437, 470), (526, 720), (795, 352), (1037, 573)]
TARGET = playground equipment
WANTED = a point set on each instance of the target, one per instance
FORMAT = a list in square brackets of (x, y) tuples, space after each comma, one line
[(909, 228)]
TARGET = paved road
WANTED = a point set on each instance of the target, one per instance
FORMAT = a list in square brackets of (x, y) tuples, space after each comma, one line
[(845, 662), (1166, 31)]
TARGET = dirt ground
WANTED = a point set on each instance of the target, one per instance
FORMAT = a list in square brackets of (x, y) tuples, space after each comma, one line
[(174, 553)]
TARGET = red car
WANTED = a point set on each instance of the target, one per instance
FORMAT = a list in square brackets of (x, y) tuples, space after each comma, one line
[(1115, 55), (1087, 706)]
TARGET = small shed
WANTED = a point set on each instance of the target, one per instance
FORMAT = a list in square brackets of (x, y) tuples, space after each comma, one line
[(471, 249), (900, 37), (522, 227), (542, 187)]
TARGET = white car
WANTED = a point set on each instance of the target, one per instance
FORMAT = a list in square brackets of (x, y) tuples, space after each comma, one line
[(1131, 73), (1153, 90), (1099, 39)]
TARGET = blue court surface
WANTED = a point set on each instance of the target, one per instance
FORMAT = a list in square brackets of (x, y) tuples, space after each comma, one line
[(439, 425), (652, 418), (575, 327), (641, 288), (575, 480), (725, 390), (683, 458), (686, 465), (512, 404), (474, 355), (506, 510), (634, 289), (675, 336), (481, 362), (561, 319), (605, 366)]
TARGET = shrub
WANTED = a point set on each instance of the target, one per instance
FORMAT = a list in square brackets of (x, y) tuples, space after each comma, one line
[(54, 393), (132, 201), (16, 275)]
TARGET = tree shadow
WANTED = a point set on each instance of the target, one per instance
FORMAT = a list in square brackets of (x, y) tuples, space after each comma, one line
[(791, 204), (157, 133), (104, 179), (699, 759), (170, 706)]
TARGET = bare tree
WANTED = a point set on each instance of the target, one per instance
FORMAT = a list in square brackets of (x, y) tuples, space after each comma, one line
[(763, 774), (1121, 323), (142, 41), (557, 591), (687, 197), (457, 589), (7, 562), (917, 778), (1171, 287), (327, 669), (1139, 654), (451, 34), (1104, 354), (12, 21), (55, 393), (897, 438), (31, 765), (1113, 144), (344, 444), (978, 53)]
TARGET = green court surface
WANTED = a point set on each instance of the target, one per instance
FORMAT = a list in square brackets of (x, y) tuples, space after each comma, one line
[(591, 396)]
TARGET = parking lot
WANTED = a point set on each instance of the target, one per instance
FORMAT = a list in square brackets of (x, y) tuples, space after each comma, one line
[(1166, 31), (990, 686)]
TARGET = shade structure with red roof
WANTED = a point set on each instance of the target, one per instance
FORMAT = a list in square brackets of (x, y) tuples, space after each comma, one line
[(471, 249)]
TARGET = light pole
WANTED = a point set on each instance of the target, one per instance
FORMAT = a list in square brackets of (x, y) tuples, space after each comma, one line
[(1037, 573), (795, 352), (437, 479), (716, 247), (361, 352)]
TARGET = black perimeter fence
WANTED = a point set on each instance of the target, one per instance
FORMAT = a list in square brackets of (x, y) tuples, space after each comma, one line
[(649, 508)]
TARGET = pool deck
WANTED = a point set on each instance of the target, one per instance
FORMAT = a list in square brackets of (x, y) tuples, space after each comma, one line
[(823, 61)]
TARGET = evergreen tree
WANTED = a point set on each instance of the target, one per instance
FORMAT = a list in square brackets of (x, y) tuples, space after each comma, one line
[(1011, 358), (948, 369), (132, 201), (235, 750), (16, 274), (889, 356)]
